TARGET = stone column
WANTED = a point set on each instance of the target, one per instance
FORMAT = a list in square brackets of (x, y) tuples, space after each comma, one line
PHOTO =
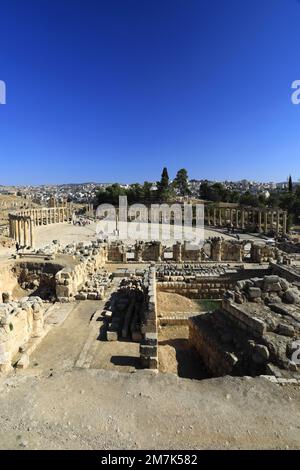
[(31, 235), (208, 216), (272, 219), (25, 232), (284, 223), (12, 228), (266, 221), (214, 219), (237, 218), (231, 217), (259, 222), (277, 222), (243, 219), (19, 231), (16, 230), (220, 217)]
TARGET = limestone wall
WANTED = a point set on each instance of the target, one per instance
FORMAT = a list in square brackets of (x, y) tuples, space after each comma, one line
[(287, 272), (19, 321), (149, 343), (206, 287), (217, 361), (69, 279), (7, 280), (116, 252), (227, 250), (261, 252)]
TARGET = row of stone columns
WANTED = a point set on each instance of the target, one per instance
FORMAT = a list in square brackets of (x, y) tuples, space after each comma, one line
[(21, 225), (240, 218), (21, 230), (52, 215)]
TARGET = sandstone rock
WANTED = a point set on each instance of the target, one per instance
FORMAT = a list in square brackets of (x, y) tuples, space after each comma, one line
[(291, 296), (285, 330), (112, 335), (262, 351), (284, 284), (253, 292)]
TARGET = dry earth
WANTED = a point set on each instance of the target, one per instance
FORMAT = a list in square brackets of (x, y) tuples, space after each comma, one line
[(166, 302), (83, 393), (95, 409)]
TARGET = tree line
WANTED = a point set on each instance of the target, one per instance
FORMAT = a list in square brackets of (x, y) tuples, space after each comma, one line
[(286, 199), (147, 193), (169, 191)]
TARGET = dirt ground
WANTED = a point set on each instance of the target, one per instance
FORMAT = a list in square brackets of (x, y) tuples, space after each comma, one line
[(173, 303), (176, 355), (96, 409), (68, 399)]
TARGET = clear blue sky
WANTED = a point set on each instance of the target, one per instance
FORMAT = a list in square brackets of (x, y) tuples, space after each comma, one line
[(113, 90)]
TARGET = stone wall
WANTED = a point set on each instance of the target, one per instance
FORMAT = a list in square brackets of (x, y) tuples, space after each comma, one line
[(19, 322), (206, 287), (227, 250), (8, 281), (255, 332), (149, 343), (148, 251), (116, 252), (262, 253), (70, 279), (290, 273), (37, 277)]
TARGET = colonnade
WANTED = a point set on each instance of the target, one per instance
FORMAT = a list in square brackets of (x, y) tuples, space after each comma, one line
[(21, 224), (21, 229), (246, 218)]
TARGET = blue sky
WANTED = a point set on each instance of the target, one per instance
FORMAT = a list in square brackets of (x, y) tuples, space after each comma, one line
[(113, 90)]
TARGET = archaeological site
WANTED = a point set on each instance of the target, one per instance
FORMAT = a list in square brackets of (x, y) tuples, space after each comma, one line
[(149, 232), (223, 316)]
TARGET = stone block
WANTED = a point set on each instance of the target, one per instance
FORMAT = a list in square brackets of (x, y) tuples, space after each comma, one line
[(23, 363), (146, 350), (111, 335), (291, 296), (285, 330), (153, 362), (254, 293)]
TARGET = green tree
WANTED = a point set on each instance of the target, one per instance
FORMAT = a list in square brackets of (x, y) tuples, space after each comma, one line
[(290, 184), (110, 194), (148, 193), (204, 192), (163, 186), (181, 182)]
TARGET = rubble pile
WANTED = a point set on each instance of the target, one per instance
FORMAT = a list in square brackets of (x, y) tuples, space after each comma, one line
[(125, 310), (95, 286), (256, 332), (268, 290)]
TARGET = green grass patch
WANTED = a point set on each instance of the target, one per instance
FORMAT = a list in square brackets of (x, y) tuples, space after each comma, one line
[(208, 305)]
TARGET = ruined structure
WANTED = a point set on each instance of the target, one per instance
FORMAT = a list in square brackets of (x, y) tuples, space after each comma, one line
[(20, 323), (244, 218), (255, 331), (250, 333), (22, 223)]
